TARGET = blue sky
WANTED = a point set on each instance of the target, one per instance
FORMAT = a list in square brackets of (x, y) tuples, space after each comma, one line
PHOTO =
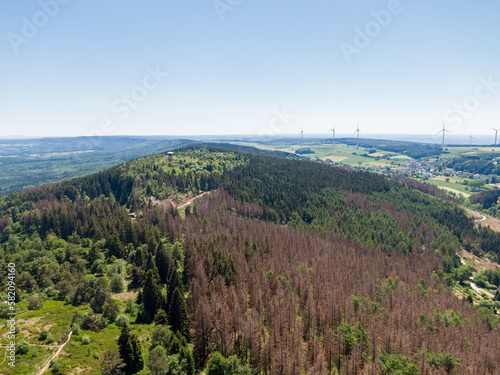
[(70, 68)]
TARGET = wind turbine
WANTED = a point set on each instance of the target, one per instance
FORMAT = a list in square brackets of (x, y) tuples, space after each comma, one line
[(333, 138), (357, 139), (496, 133), (443, 131), (470, 143), (302, 135)]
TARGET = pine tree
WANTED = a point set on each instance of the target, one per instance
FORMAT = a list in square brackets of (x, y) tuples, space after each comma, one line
[(130, 350), (164, 263), (178, 313), (150, 265), (151, 294), (188, 363), (173, 283)]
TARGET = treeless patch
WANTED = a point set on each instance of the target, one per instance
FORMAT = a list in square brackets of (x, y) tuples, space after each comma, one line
[(481, 263), (485, 220), (31, 322), (49, 326), (123, 296)]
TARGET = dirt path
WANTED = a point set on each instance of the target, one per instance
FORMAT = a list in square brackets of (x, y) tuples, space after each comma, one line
[(479, 290), (485, 220), (192, 200), (476, 215), (166, 203), (47, 365)]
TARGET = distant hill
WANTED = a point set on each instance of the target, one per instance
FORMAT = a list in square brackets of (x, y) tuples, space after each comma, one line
[(26, 163)]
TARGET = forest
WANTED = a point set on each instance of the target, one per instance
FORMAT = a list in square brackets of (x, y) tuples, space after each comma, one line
[(221, 260), (484, 164), (27, 163)]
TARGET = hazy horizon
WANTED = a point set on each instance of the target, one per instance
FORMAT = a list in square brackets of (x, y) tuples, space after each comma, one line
[(451, 139)]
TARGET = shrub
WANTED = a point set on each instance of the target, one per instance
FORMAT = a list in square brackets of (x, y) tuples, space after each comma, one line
[(58, 367), (111, 363), (43, 335), (35, 302), (50, 339), (23, 347), (122, 320), (76, 329), (51, 292), (116, 284), (85, 340), (4, 311), (110, 311), (89, 321), (130, 307)]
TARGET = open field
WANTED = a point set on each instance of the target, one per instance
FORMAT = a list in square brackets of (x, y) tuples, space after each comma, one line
[(486, 221), (56, 317), (342, 154), (449, 186)]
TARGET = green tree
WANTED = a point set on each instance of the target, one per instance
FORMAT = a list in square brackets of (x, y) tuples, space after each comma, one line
[(161, 335), (151, 295), (111, 363), (444, 360), (110, 311), (218, 365), (178, 313), (187, 360), (173, 283), (101, 296), (23, 347), (157, 361), (116, 284), (395, 364), (130, 350), (164, 263)]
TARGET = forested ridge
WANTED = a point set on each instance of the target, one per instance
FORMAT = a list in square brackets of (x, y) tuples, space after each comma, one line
[(486, 164), (286, 267)]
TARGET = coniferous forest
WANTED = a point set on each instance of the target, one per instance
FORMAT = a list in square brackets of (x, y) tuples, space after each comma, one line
[(223, 260)]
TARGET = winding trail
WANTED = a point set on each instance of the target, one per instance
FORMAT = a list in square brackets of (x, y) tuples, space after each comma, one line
[(47, 365), (482, 219), (478, 217), (479, 290), (475, 287)]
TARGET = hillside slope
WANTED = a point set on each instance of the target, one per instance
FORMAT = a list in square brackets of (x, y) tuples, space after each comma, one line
[(282, 267)]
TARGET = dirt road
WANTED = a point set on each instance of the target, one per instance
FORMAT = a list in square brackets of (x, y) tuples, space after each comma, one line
[(47, 365)]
